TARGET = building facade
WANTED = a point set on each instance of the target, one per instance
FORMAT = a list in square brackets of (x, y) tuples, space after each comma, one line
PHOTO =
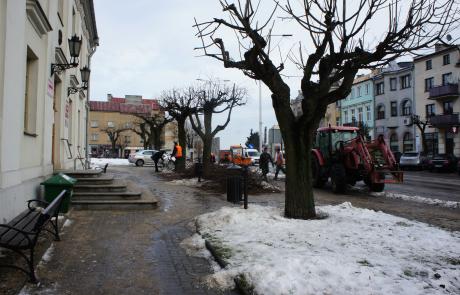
[(357, 108), (122, 114), (42, 125), (394, 106), (437, 99)]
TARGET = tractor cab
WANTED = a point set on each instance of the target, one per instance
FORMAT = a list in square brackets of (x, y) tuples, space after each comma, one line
[(330, 140), (240, 155)]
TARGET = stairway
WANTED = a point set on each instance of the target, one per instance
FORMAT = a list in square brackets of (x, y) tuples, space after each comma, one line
[(95, 190)]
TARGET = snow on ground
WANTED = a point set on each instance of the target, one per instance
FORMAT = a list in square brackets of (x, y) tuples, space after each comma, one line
[(100, 162), (67, 223), (270, 186), (188, 182), (281, 175), (352, 251), (418, 199), (47, 256)]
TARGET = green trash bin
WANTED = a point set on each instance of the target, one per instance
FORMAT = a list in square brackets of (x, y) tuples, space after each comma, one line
[(55, 185)]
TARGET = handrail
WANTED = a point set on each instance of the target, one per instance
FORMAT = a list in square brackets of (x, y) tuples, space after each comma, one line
[(68, 145)]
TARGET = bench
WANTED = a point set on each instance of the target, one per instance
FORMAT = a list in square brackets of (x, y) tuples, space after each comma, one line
[(21, 234)]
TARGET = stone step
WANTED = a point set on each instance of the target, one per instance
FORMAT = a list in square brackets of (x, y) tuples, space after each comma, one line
[(99, 188), (81, 173), (102, 180), (95, 196), (142, 204)]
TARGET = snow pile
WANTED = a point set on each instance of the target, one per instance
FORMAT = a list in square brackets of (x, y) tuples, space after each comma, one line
[(418, 199), (281, 175), (270, 186), (188, 182), (352, 251), (100, 162)]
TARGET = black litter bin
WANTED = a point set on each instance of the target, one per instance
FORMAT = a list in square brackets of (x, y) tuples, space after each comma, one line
[(55, 185), (234, 184)]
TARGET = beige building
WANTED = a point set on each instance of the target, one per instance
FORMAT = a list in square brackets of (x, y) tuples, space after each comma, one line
[(42, 125), (437, 99), (122, 115)]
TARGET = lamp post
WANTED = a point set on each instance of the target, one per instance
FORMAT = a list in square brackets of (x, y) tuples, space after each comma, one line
[(74, 49)]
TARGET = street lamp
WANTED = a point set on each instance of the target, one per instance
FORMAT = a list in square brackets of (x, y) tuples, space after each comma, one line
[(74, 49), (85, 72)]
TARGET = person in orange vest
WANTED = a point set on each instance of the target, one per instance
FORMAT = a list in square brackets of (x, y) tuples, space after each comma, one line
[(177, 153)]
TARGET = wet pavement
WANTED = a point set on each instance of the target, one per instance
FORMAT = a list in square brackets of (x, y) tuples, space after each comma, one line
[(130, 252)]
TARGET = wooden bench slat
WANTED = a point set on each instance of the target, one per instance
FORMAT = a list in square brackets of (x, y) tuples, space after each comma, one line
[(26, 225)]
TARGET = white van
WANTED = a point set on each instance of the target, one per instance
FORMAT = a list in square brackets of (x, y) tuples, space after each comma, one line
[(254, 155)]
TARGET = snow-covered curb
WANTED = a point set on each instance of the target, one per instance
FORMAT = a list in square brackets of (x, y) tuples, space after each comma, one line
[(417, 199), (193, 182), (353, 251)]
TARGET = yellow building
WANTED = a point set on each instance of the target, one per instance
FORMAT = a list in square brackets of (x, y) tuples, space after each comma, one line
[(119, 116)]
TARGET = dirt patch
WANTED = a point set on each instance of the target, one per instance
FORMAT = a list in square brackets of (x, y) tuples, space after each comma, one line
[(217, 180)]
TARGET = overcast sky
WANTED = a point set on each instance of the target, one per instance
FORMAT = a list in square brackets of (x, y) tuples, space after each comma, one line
[(146, 47)]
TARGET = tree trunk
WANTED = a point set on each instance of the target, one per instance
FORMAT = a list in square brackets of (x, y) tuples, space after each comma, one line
[(299, 200), (207, 145), (183, 143)]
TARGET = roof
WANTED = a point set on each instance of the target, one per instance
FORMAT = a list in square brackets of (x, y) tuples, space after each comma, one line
[(106, 106), (339, 128), (438, 52), (362, 78)]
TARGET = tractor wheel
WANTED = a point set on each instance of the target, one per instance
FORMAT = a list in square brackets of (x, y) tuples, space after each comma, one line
[(317, 180), (377, 187), (338, 179)]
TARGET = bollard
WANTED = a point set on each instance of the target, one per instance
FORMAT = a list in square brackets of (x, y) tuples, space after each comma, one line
[(199, 170), (245, 190)]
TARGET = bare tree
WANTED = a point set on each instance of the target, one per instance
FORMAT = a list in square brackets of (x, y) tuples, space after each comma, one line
[(337, 30), (153, 128), (421, 125), (180, 105), (114, 135), (214, 98), (141, 129)]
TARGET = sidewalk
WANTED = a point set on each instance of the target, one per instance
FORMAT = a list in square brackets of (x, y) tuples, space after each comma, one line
[(129, 252)]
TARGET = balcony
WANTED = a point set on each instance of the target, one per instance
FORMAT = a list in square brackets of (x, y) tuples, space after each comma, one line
[(444, 91), (443, 121)]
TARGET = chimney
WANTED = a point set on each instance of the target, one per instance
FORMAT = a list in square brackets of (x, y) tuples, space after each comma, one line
[(109, 97)]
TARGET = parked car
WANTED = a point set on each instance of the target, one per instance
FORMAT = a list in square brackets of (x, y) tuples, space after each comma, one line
[(254, 155), (141, 157), (414, 160), (443, 162)]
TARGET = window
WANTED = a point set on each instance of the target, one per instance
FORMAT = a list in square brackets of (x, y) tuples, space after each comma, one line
[(110, 124), (345, 116), (94, 136), (360, 114), (446, 79), (353, 118), (381, 112), (380, 88), (367, 88), (30, 94), (428, 65), (394, 145), (408, 142), (405, 81), (430, 110), (359, 91), (127, 139), (368, 113), (94, 124), (406, 108), (394, 109), (445, 59), (448, 107), (337, 121), (429, 83), (392, 84), (352, 93)]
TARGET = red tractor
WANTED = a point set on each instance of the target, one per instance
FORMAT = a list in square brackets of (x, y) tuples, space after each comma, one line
[(342, 154)]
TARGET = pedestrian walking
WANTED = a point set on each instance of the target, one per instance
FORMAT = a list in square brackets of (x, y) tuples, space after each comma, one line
[(156, 157), (279, 161), (264, 160), (177, 153)]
